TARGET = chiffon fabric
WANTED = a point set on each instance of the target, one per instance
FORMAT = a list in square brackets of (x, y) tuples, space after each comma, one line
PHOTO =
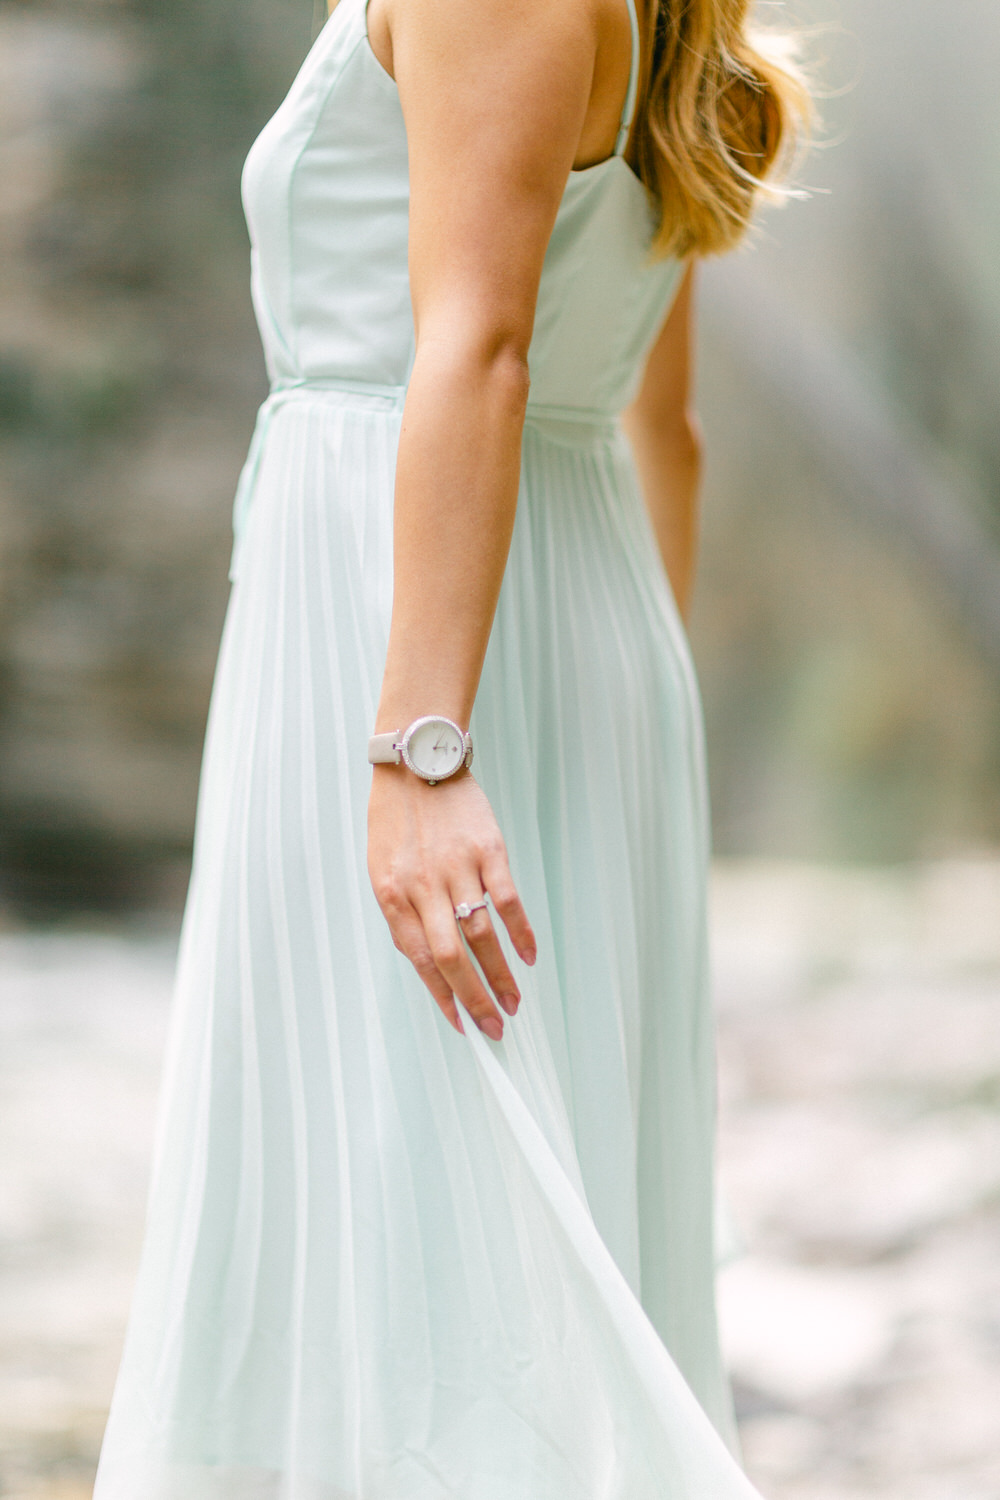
[(385, 1261)]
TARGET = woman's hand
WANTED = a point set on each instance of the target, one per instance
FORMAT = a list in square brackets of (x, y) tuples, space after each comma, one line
[(429, 848)]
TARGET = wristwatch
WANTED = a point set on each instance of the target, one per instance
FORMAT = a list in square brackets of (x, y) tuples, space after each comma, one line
[(433, 748)]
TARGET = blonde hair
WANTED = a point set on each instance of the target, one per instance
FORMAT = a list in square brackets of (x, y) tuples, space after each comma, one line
[(722, 109)]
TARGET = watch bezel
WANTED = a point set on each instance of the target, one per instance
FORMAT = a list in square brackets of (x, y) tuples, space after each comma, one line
[(404, 747)]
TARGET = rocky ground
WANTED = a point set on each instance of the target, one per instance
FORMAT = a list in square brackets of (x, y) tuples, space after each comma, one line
[(860, 1048), (860, 1062)]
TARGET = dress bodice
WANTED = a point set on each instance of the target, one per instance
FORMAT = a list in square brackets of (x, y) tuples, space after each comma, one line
[(326, 193)]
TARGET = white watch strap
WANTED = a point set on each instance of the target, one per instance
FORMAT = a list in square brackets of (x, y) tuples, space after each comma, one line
[(383, 749)]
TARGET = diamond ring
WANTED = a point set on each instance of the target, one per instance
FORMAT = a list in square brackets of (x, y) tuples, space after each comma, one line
[(466, 908)]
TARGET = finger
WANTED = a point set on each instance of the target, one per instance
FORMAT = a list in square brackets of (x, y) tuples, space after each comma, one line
[(449, 954), (503, 893), (409, 936), (479, 933)]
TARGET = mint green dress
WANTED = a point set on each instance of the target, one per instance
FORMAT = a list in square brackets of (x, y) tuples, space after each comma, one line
[(385, 1261)]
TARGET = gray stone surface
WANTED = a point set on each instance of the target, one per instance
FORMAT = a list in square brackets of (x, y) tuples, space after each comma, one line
[(81, 1033), (860, 1145), (860, 1068)]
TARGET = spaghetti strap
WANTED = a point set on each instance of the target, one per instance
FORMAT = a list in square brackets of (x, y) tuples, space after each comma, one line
[(633, 82)]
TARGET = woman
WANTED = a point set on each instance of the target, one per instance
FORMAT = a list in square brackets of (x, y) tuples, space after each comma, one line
[(399, 1252)]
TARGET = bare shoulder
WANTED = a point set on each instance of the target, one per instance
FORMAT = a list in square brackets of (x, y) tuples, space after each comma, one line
[(503, 77), (575, 55), (551, 32)]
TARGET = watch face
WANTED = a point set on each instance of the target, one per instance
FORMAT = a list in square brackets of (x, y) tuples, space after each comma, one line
[(435, 748)]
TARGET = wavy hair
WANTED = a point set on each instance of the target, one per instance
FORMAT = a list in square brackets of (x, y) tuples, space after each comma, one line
[(723, 108)]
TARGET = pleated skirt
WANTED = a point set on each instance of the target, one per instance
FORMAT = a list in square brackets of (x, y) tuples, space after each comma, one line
[(384, 1261)]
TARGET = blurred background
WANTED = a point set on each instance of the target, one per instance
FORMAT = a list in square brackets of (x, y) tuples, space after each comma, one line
[(847, 633)]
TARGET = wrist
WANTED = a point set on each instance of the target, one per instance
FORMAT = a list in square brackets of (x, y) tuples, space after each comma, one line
[(433, 746), (412, 687)]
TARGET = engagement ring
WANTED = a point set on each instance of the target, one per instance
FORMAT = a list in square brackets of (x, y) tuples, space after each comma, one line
[(466, 908)]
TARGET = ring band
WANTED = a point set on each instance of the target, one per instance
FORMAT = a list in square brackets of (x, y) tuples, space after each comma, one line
[(466, 908)]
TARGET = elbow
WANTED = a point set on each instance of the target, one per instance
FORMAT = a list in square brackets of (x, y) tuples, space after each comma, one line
[(674, 428), (685, 434), (488, 356), (504, 363), (694, 441)]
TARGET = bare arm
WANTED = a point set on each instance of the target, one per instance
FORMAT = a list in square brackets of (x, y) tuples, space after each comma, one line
[(666, 440), (494, 94)]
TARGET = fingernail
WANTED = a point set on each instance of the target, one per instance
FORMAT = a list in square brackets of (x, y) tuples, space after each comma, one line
[(530, 955), (493, 1026), (510, 1003)]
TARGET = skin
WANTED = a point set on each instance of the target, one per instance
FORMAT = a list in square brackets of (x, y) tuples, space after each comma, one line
[(538, 86), (666, 441)]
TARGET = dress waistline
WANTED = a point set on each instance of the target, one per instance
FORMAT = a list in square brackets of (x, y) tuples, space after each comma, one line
[(568, 425), (366, 394), (333, 386)]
